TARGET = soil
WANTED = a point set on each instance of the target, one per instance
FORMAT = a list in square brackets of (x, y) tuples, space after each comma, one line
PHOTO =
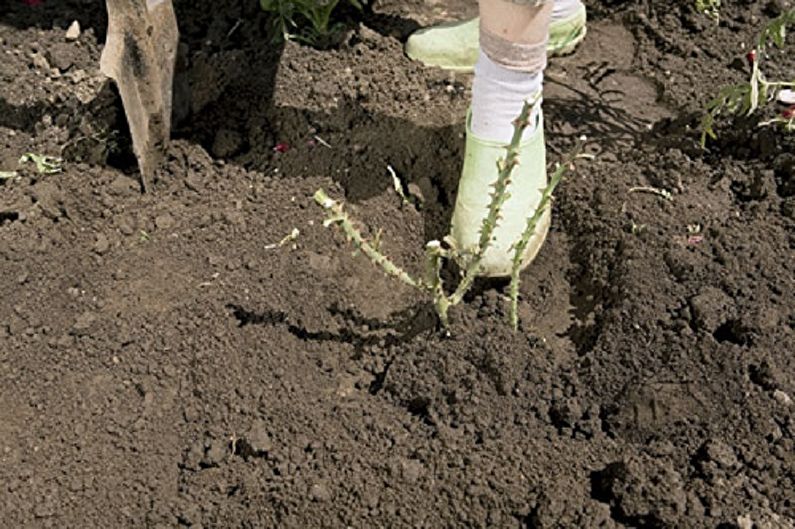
[(165, 362)]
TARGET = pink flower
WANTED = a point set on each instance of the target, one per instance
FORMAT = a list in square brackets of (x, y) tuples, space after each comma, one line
[(281, 147), (789, 113), (751, 57), (33, 3)]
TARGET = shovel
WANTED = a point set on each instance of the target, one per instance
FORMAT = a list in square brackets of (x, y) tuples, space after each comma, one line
[(139, 55)]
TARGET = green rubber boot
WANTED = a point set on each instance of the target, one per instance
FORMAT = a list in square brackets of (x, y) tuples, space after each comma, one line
[(528, 181), (455, 46)]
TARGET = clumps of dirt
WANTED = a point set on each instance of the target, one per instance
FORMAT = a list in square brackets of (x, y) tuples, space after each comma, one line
[(642, 491), (168, 360)]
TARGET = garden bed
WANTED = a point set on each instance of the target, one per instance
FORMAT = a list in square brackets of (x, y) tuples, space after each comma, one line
[(165, 361)]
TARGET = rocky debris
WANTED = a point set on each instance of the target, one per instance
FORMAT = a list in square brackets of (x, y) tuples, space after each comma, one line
[(126, 224), (102, 244), (319, 492), (765, 375), (411, 470), (715, 458), (123, 186), (256, 442), (711, 308), (62, 56), (565, 413), (49, 199), (562, 504), (782, 398), (215, 453), (40, 62), (642, 491), (84, 323), (73, 32), (164, 221), (788, 207)]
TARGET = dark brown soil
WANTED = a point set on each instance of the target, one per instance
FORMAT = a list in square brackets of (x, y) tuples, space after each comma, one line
[(164, 362)]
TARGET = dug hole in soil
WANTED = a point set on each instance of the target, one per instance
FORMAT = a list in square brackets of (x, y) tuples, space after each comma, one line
[(165, 362)]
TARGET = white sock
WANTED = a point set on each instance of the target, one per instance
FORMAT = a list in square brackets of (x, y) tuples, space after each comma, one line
[(498, 95), (565, 8)]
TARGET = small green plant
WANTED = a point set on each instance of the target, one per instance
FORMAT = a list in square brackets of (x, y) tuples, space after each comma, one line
[(307, 21), (746, 98), (436, 253), (709, 7), (44, 164)]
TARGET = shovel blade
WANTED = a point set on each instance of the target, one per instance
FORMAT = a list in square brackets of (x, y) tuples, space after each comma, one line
[(140, 55)]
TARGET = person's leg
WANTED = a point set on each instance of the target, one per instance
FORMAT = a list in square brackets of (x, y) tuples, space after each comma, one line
[(510, 66), (455, 46), (509, 71)]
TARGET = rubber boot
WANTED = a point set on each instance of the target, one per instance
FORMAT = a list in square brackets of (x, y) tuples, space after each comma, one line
[(455, 46), (528, 180)]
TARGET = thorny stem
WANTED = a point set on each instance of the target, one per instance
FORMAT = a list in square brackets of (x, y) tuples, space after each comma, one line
[(530, 228), (653, 190), (338, 216), (500, 195), (434, 254)]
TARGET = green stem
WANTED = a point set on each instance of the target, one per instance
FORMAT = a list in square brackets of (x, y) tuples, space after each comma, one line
[(434, 255), (530, 228), (498, 198), (780, 84), (336, 215)]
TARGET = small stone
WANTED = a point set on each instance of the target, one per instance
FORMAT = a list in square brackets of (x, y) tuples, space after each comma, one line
[(194, 456), (61, 56), (565, 412), (83, 323), (427, 191), (765, 374), (788, 207), (416, 191), (235, 218), (782, 398), (644, 489), (73, 32), (78, 76), (193, 183), (319, 492), (711, 308), (411, 470), (122, 186), (48, 197), (126, 225), (745, 522), (102, 245), (216, 453), (718, 452), (258, 439), (40, 62), (16, 325), (319, 262), (164, 221)]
